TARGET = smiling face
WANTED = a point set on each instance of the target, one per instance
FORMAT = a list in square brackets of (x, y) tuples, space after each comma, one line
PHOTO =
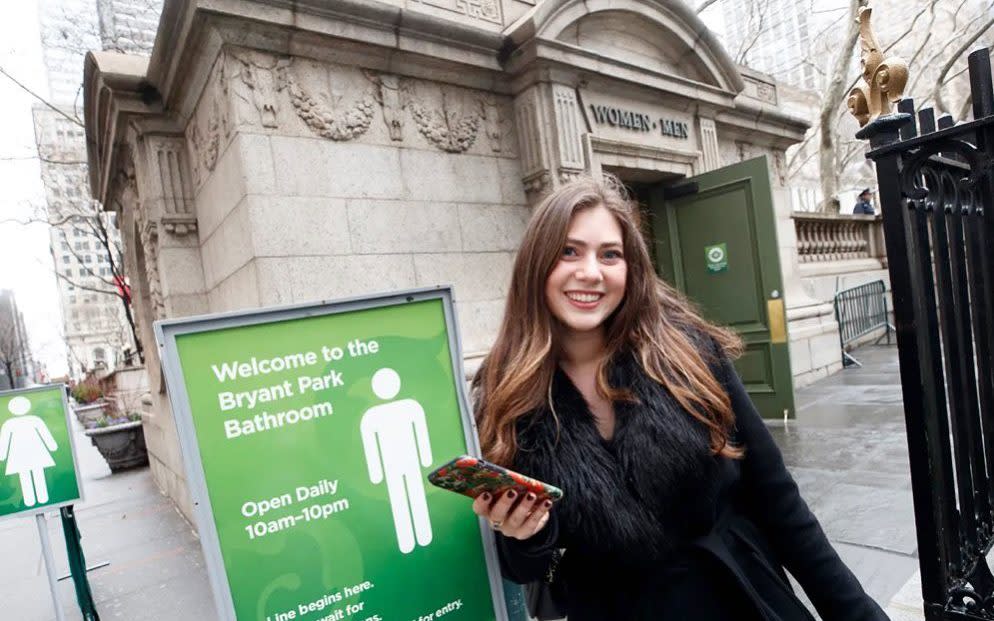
[(587, 284)]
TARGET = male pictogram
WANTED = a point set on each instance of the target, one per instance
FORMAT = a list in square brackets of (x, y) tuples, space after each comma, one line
[(26, 445), (395, 439)]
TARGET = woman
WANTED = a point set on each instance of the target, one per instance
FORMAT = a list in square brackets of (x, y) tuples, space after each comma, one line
[(603, 381)]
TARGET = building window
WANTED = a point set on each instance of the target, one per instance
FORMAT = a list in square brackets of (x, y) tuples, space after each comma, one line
[(65, 258)]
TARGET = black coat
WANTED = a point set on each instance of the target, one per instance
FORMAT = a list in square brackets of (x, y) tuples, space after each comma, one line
[(655, 527)]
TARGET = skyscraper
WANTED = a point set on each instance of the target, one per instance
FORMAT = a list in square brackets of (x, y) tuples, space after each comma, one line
[(775, 36), (17, 366), (85, 242)]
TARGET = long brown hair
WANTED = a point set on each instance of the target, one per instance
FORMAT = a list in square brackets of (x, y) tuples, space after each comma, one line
[(654, 321)]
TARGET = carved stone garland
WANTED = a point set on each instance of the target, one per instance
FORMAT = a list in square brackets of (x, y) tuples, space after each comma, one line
[(446, 129), (336, 125), (885, 77)]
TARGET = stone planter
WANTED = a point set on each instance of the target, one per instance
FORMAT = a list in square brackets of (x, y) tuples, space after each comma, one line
[(123, 446), (90, 413)]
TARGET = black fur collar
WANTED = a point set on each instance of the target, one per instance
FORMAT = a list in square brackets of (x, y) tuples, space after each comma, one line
[(637, 496)]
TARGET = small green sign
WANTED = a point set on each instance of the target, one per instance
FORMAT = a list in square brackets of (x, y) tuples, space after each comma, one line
[(37, 456), (311, 433), (716, 257)]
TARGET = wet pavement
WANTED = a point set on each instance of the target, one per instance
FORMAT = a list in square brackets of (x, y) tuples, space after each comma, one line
[(848, 451), (846, 448)]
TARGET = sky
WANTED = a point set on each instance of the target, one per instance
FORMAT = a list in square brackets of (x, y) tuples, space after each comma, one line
[(25, 263)]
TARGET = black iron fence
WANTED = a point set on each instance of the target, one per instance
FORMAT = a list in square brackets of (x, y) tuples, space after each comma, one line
[(860, 311), (937, 196)]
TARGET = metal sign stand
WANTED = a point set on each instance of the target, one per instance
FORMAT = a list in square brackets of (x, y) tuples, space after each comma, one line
[(46, 550)]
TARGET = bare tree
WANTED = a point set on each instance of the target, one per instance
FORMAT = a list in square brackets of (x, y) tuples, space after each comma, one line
[(956, 56), (93, 228), (11, 353), (932, 36), (832, 98)]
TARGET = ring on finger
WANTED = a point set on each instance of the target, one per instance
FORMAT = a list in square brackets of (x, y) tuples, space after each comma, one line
[(495, 524)]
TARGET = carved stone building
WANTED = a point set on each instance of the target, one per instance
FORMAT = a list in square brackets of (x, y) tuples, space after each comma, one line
[(272, 153)]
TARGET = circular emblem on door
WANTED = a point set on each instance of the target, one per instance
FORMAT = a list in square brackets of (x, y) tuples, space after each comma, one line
[(716, 254)]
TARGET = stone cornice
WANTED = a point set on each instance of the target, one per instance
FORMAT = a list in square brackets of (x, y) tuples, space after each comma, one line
[(381, 35), (752, 118), (115, 90)]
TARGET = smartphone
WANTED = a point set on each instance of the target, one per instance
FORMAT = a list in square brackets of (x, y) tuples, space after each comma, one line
[(472, 476)]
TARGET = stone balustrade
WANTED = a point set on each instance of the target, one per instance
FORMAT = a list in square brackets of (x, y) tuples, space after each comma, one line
[(830, 237)]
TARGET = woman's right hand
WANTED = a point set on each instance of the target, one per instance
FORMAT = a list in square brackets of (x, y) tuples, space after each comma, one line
[(519, 521)]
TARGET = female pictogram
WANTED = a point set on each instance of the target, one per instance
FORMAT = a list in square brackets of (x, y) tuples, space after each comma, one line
[(26, 445)]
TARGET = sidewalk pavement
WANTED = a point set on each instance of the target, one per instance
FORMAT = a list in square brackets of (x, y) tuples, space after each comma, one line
[(847, 450)]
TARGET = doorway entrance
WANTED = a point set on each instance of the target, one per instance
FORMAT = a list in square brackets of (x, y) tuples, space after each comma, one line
[(713, 237)]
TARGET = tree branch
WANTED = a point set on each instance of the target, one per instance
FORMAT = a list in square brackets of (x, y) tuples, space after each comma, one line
[(38, 97), (940, 105), (833, 98)]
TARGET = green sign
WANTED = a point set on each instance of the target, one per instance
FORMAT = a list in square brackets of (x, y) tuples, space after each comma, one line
[(716, 257), (37, 456), (308, 433)]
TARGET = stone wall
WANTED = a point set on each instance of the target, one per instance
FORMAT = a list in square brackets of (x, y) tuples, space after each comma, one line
[(315, 181)]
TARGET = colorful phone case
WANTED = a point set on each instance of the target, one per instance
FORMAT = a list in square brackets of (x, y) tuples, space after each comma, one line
[(472, 476)]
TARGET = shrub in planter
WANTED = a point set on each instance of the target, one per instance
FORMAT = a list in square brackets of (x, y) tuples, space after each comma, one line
[(120, 440), (111, 419), (86, 392)]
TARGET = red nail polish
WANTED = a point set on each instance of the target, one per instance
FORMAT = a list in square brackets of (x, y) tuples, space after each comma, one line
[(547, 503), (485, 496), (511, 494), (530, 497)]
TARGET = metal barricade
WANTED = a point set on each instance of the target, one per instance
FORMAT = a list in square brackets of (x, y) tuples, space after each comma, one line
[(860, 311)]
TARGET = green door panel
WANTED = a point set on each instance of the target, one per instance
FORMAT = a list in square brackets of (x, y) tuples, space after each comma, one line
[(732, 209)]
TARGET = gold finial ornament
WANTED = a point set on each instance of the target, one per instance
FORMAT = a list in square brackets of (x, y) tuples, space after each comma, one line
[(885, 77)]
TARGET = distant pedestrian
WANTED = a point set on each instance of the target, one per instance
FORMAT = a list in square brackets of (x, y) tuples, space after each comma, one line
[(606, 382), (864, 207)]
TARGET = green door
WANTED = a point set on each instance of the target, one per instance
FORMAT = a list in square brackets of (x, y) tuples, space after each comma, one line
[(718, 245)]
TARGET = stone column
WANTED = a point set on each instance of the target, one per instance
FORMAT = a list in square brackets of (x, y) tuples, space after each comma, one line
[(710, 158), (166, 267), (164, 182), (550, 132)]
